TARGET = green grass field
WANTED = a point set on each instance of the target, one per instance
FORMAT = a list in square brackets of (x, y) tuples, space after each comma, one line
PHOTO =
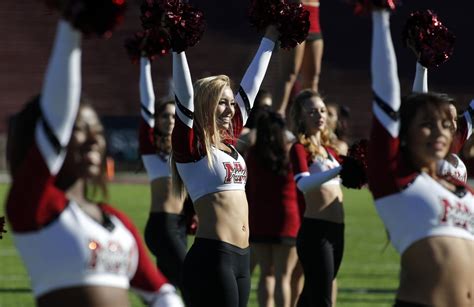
[(368, 275)]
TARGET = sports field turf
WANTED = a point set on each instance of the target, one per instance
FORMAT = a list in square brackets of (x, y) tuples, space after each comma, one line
[(368, 275)]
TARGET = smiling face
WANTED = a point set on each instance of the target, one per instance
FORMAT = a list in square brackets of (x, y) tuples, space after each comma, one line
[(86, 150), (429, 137), (225, 109), (314, 115)]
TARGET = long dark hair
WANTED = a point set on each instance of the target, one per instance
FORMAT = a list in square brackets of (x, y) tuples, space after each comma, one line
[(162, 142), (271, 142)]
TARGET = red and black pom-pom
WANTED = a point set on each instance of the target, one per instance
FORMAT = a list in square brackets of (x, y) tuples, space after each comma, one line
[(95, 17), (354, 165), (2, 226), (150, 43), (183, 22), (429, 38), (362, 7), (294, 25), (291, 20), (186, 26)]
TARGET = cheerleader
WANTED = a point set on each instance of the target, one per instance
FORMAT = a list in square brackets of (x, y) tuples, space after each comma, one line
[(304, 61), (320, 241), (428, 216), (205, 162), (165, 231), (77, 252), (273, 209)]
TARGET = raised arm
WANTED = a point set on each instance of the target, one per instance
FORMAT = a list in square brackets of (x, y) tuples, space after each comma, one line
[(59, 104), (147, 147), (384, 143), (60, 98), (420, 84), (253, 79), (183, 142)]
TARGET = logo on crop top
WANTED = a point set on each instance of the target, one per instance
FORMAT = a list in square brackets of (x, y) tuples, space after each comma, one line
[(234, 172), (110, 257), (457, 214)]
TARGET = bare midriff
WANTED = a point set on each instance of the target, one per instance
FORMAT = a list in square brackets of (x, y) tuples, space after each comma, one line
[(325, 203), (310, 2), (91, 296), (162, 197), (223, 216), (438, 271)]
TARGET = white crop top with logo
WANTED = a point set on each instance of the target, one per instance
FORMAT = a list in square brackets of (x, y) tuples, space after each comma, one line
[(304, 165), (227, 174), (229, 170), (75, 250), (63, 247), (412, 205)]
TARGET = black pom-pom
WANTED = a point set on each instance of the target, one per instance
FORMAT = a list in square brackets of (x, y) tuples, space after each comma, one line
[(354, 166), (99, 17)]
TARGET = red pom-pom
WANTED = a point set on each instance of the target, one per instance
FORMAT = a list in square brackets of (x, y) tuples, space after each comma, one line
[(362, 7), (429, 38), (184, 23), (98, 17), (2, 226), (291, 19), (294, 25), (148, 43), (186, 26), (354, 166)]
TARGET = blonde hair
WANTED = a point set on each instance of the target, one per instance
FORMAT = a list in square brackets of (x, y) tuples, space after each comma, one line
[(299, 128), (207, 92)]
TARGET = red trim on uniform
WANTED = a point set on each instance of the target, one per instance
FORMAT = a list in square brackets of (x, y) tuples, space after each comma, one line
[(146, 140), (147, 277), (314, 25), (33, 201), (387, 172), (184, 142), (300, 158)]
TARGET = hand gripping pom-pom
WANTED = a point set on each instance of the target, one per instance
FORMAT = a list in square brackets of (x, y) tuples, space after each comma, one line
[(2, 226), (354, 166), (149, 43), (99, 17), (291, 19), (362, 7), (429, 38)]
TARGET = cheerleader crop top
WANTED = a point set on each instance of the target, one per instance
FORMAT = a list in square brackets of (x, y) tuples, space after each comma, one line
[(75, 250), (304, 165), (228, 173)]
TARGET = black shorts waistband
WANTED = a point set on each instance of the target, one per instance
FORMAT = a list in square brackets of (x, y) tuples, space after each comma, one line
[(220, 245)]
